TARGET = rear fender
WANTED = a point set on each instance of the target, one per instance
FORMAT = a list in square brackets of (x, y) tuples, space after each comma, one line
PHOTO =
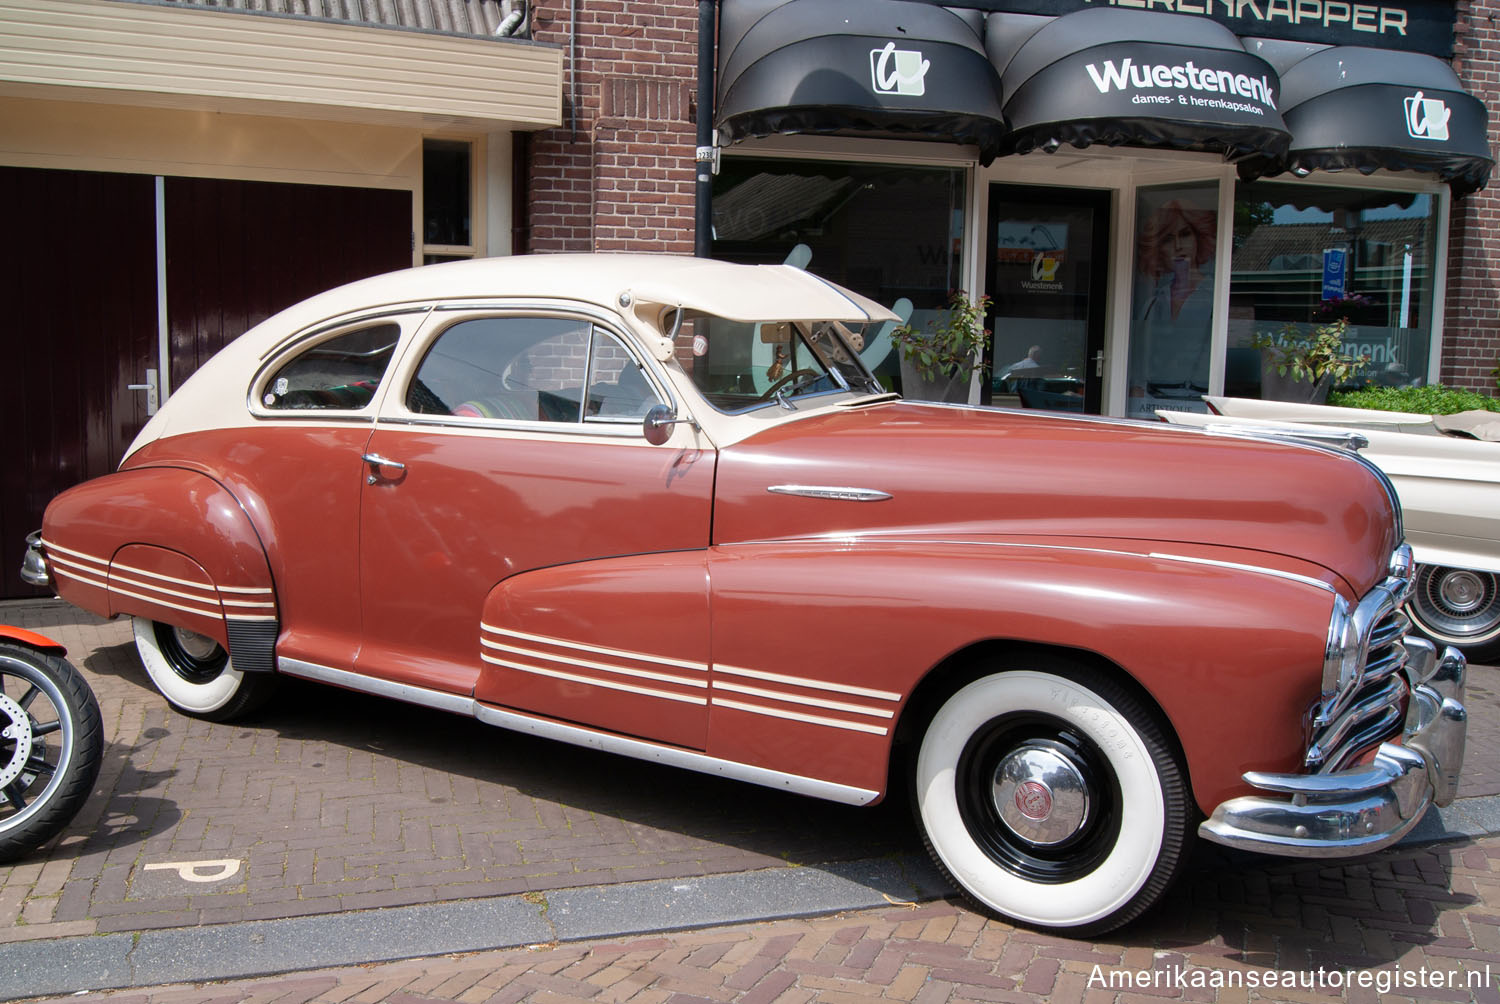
[(171, 545)]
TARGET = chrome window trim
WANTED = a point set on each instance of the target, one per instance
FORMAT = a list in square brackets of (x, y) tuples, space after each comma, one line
[(271, 360), (637, 749), (584, 425)]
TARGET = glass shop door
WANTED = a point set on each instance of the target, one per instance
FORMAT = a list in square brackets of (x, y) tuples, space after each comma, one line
[(1046, 271)]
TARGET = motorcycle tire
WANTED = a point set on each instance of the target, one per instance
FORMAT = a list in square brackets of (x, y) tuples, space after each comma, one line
[(51, 743)]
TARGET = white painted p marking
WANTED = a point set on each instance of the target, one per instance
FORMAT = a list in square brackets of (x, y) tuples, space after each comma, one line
[(215, 870)]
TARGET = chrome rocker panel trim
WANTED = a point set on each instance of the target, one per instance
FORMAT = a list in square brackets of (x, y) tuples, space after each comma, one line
[(575, 735), (1369, 806)]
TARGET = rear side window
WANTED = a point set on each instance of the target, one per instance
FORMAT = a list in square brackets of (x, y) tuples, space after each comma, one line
[(340, 373), (530, 369)]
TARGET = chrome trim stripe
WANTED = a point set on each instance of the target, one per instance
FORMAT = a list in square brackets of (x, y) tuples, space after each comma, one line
[(117, 567), (815, 702), (58, 570), (831, 492), (701, 667), (1237, 566), (904, 536), (677, 757), (49, 545), (644, 674), (797, 716), (594, 681), (114, 569), (802, 681), (251, 617), (574, 735), (381, 688), (163, 590)]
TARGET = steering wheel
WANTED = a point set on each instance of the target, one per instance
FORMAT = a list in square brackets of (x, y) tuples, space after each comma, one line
[(790, 378)]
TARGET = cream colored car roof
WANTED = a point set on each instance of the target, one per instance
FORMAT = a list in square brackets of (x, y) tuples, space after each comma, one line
[(738, 292), (638, 287)]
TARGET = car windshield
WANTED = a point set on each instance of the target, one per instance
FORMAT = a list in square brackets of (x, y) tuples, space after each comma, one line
[(739, 365)]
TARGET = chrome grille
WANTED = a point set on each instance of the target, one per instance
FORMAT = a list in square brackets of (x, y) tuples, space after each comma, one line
[(1370, 708)]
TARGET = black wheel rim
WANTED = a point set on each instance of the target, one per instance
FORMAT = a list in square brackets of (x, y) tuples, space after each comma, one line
[(1065, 859), (193, 657)]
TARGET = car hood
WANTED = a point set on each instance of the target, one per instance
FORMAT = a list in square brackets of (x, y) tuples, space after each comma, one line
[(962, 473)]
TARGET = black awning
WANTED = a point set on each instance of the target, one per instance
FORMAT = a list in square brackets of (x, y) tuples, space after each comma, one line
[(1137, 78), (895, 69), (1353, 108)]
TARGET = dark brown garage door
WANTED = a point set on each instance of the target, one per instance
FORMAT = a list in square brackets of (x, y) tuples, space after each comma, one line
[(79, 271)]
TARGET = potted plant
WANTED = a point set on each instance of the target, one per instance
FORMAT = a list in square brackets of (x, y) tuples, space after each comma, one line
[(936, 362), (1302, 368)]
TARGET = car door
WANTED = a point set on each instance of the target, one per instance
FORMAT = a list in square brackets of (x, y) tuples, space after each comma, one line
[(514, 520)]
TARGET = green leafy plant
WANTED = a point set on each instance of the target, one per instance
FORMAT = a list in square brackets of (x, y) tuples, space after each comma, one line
[(1319, 356), (1433, 399), (949, 346)]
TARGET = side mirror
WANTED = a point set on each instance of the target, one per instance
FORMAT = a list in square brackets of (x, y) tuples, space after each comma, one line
[(657, 425)]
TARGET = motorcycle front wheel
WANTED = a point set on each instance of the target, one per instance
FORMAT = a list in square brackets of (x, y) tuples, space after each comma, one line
[(51, 742)]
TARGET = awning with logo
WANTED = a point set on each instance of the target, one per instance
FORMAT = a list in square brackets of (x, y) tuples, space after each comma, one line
[(1134, 78), (1353, 108), (894, 69)]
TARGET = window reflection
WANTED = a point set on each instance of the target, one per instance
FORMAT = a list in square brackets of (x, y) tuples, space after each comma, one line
[(1308, 256)]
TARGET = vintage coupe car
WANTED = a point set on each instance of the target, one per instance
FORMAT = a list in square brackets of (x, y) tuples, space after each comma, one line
[(658, 506), (1449, 484)]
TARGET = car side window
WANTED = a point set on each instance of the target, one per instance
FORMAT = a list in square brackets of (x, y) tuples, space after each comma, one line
[(340, 373), (618, 388), (528, 369)]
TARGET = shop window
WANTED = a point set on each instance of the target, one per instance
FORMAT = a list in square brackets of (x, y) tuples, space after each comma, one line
[(447, 197), (890, 232), (1309, 256), (1171, 326)]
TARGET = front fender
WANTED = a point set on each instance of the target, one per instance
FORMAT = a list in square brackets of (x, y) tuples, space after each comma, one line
[(169, 544), (1232, 656)]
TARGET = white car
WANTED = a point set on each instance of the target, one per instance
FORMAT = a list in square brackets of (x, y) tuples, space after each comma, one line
[(1449, 484)]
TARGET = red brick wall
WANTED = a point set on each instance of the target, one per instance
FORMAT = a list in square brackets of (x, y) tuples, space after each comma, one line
[(618, 175), (1471, 335)]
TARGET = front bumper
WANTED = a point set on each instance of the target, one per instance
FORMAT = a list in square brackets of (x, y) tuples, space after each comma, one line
[(1369, 806)]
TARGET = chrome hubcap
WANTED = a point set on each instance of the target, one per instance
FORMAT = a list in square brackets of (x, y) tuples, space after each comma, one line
[(1040, 795), (1461, 591), (197, 646)]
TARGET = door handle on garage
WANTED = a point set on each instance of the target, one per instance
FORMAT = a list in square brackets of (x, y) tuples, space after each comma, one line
[(376, 460)]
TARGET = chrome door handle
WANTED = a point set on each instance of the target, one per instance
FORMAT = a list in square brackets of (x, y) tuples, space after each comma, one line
[(376, 460), (1099, 363)]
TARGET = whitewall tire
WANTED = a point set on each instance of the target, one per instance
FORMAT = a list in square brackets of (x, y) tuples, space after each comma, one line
[(1050, 796), (195, 674)]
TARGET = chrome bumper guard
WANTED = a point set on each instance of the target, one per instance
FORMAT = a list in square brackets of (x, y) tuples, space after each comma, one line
[(1369, 806), (34, 569)]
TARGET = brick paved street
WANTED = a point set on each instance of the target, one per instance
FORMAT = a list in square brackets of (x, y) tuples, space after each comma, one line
[(1429, 917), (334, 802)]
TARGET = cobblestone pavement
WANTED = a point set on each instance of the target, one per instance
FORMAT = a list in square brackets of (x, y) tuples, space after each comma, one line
[(334, 801), (1413, 924)]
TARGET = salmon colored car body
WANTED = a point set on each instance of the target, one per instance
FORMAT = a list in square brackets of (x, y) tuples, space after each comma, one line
[(662, 507)]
